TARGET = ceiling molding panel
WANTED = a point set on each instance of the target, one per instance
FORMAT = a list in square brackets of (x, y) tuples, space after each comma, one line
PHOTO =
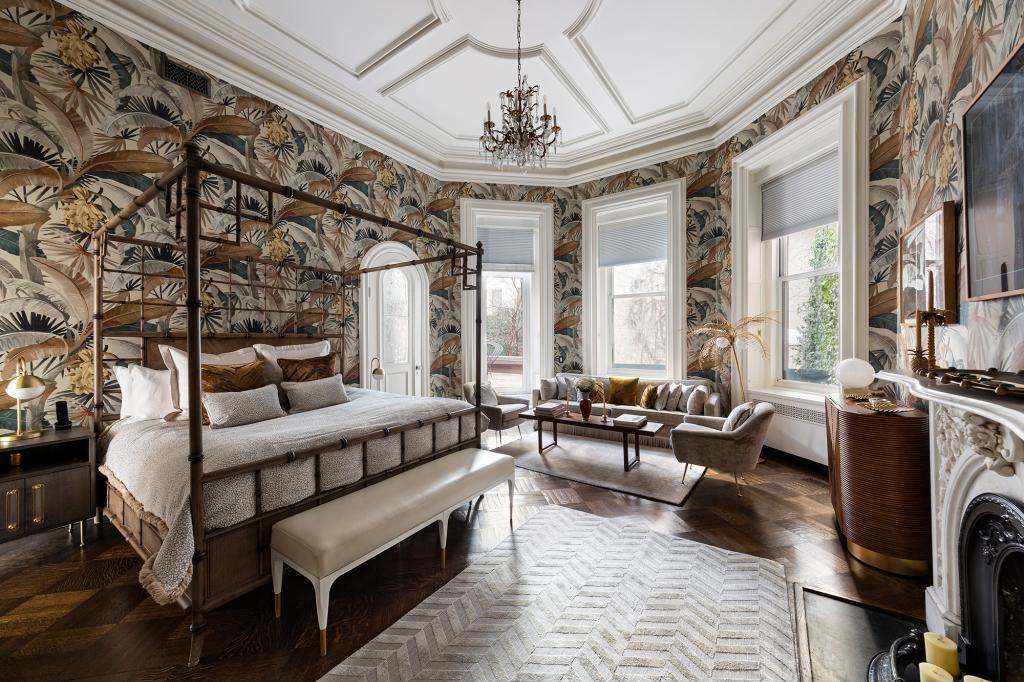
[(623, 105)]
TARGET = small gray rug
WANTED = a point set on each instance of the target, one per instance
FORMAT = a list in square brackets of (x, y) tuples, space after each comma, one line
[(658, 476), (572, 596)]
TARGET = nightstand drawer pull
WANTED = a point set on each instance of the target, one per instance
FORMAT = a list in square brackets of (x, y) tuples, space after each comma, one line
[(39, 505), (13, 508)]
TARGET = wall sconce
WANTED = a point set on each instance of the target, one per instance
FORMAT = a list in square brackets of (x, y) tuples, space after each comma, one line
[(376, 373)]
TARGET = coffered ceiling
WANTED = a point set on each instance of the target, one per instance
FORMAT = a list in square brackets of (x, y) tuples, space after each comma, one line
[(633, 81)]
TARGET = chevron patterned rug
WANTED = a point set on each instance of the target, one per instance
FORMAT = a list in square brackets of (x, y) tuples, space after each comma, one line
[(572, 596)]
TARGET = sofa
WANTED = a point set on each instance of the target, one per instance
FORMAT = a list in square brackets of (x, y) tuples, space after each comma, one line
[(670, 418)]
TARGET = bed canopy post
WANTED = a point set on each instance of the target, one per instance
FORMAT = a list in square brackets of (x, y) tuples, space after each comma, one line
[(97, 330), (193, 330), (478, 338)]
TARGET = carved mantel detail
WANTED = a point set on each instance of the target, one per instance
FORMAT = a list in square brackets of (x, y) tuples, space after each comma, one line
[(977, 448), (959, 433)]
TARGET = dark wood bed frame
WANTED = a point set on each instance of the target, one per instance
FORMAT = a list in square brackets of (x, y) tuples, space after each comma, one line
[(228, 562)]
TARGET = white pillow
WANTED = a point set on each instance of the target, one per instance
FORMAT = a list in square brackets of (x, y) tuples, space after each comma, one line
[(238, 408), (312, 395), (302, 351), (145, 393), (176, 361), (675, 392)]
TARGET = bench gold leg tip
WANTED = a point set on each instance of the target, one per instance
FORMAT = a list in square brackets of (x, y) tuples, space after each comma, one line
[(323, 643), (277, 606)]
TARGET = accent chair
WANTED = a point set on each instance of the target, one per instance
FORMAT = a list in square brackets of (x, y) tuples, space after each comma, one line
[(727, 444), (502, 411)]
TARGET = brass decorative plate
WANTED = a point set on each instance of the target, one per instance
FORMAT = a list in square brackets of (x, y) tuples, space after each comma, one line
[(887, 406)]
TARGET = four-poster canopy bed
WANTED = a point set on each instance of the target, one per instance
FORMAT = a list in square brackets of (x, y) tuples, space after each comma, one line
[(228, 542)]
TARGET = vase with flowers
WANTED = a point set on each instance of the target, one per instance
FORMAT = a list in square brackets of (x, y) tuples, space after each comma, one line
[(585, 387)]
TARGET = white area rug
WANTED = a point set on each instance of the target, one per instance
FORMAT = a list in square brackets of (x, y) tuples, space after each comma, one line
[(658, 476), (572, 596)]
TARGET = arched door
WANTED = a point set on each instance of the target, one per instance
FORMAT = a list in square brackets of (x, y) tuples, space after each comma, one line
[(393, 306)]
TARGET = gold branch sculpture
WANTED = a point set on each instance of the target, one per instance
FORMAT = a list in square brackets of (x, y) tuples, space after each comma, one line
[(722, 338)]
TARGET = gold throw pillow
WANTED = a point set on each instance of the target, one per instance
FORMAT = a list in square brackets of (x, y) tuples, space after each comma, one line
[(231, 379), (623, 391), (649, 396), (307, 369)]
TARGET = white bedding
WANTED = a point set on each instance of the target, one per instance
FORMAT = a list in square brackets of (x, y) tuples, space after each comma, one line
[(147, 460)]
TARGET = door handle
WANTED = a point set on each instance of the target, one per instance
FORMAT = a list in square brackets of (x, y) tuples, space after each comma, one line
[(11, 502), (39, 517)]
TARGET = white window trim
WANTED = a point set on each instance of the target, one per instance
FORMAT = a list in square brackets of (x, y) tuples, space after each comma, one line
[(675, 274), (842, 120), (543, 279), (382, 254)]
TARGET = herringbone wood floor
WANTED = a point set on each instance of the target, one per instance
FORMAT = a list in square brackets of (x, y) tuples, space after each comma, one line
[(70, 613)]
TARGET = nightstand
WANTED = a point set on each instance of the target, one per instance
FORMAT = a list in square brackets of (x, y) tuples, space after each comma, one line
[(53, 484)]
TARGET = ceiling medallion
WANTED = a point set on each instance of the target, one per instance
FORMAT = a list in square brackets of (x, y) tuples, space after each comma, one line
[(524, 139)]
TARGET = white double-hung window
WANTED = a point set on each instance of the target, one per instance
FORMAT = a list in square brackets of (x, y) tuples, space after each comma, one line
[(800, 246), (800, 227), (633, 299)]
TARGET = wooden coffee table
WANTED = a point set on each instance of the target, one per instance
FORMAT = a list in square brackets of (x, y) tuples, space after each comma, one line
[(572, 419)]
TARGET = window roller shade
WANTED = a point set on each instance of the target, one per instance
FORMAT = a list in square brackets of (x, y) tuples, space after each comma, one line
[(507, 248), (802, 198), (639, 240)]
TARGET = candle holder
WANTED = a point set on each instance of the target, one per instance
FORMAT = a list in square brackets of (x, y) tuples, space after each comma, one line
[(933, 317)]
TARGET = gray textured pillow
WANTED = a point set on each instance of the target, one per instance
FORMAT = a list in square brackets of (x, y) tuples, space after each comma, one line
[(237, 408), (675, 392), (739, 415), (548, 389), (488, 396), (563, 387), (685, 397), (663, 393), (304, 396), (695, 403)]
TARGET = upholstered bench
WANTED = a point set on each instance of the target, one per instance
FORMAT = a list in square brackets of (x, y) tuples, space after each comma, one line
[(324, 542)]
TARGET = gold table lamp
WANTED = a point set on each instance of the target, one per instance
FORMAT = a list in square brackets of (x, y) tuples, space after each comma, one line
[(23, 386)]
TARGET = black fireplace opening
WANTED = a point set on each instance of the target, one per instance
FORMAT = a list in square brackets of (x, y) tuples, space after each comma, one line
[(992, 588)]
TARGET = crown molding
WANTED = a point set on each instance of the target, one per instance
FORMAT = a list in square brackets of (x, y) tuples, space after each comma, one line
[(188, 30)]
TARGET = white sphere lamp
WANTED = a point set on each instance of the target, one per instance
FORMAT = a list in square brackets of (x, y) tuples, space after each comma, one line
[(854, 374)]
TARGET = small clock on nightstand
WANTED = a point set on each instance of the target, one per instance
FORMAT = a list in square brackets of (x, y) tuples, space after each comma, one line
[(47, 481)]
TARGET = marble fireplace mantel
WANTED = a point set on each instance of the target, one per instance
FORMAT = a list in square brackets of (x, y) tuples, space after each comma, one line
[(977, 446)]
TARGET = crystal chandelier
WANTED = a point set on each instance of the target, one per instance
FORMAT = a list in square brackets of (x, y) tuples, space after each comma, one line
[(524, 139)]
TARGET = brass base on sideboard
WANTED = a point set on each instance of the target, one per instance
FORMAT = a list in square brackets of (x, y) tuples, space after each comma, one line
[(911, 567)]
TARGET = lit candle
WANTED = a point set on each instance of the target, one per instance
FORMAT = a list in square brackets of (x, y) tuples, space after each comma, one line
[(933, 673), (941, 651), (918, 321), (931, 290)]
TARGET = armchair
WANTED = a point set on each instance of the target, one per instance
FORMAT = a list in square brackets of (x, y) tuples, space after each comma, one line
[(502, 411), (714, 443)]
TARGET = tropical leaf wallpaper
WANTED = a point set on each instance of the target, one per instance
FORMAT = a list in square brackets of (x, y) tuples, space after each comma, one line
[(86, 123)]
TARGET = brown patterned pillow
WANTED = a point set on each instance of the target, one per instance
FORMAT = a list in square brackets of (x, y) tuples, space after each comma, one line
[(231, 378), (307, 369), (649, 396)]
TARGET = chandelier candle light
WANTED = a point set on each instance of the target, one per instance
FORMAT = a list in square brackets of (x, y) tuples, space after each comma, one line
[(525, 139)]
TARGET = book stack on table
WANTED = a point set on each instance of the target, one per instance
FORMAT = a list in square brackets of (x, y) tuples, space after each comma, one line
[(551, 409), (631, 420)]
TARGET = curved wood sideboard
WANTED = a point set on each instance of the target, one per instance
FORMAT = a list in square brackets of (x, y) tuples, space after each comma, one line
[(879, 476)]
